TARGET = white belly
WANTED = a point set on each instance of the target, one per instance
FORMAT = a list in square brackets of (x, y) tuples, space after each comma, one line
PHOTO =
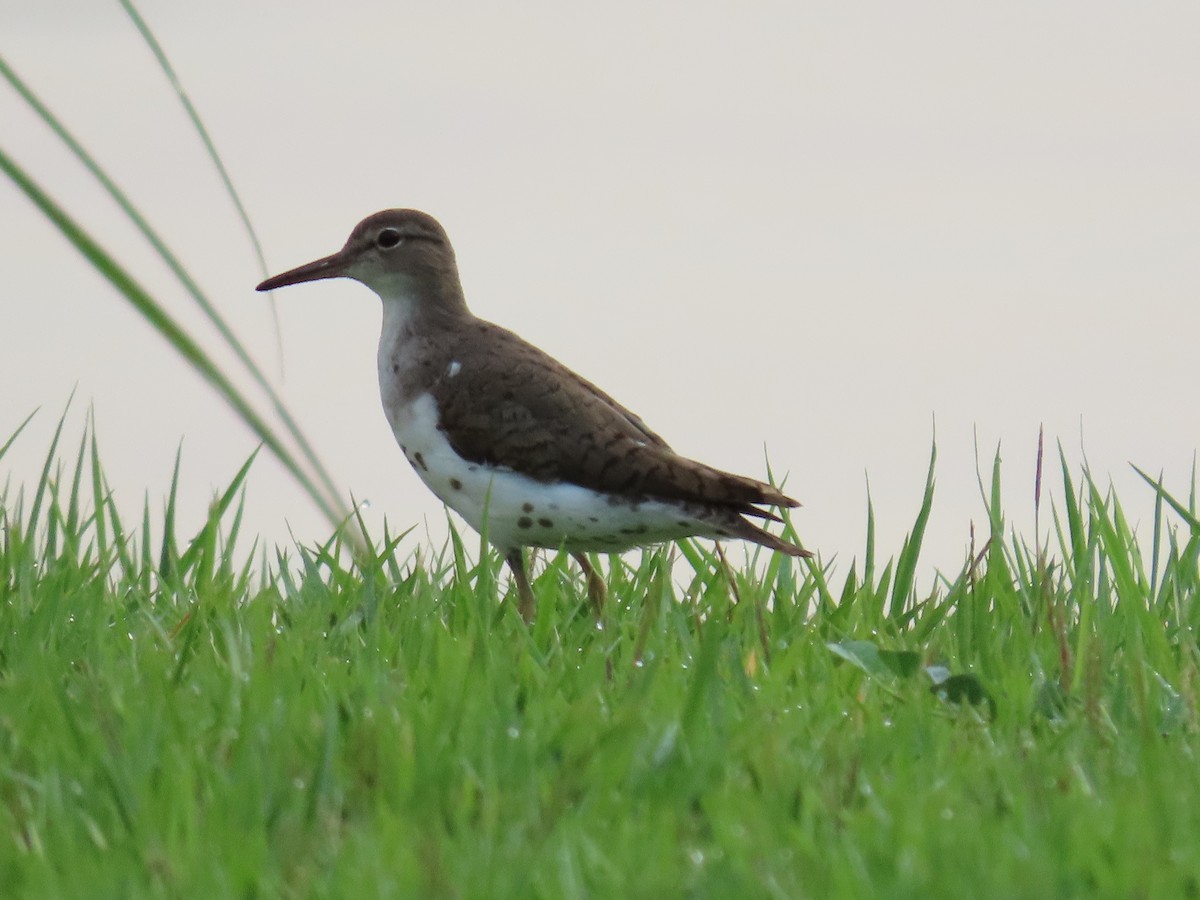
[(513, 510)]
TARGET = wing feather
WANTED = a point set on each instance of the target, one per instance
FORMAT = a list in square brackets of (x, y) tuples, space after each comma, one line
[(509, 404)]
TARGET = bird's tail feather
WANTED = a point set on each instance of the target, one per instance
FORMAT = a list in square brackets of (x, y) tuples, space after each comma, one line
[(750, 532)]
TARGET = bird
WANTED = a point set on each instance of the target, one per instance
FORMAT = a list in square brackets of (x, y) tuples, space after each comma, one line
[(526, 451)]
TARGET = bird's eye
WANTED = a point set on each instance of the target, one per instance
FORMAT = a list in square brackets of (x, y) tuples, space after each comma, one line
[(388, 238)]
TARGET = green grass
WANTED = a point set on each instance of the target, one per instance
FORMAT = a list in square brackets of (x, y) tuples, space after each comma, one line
[(203, 719), (210, 718)]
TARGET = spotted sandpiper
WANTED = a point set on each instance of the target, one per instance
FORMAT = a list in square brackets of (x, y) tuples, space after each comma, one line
[(526, 451)]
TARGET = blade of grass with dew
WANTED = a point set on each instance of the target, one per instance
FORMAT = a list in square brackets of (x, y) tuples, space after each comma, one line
[(1182, 511), (72, 522), (1156, 546), (16, 434), (1076, 550), (40, 492), (168, 553), (99, 495), (218, 509), (906, 565)]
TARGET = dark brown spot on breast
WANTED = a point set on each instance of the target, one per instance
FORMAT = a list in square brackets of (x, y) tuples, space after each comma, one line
[(526, 507), (524, 522), (456, 484), (420, 461), (546, 523)]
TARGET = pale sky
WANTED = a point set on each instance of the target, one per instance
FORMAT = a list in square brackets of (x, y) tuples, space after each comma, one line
[(814, 228)]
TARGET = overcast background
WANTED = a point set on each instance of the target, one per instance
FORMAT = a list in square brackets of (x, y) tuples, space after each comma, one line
[(820, 228)]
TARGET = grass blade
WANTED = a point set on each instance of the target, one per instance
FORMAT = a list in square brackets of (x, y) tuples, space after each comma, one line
[(906, 565), (162, 322), (185, 279)]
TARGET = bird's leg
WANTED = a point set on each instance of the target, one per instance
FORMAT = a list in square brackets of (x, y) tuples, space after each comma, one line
[(596, 589), (516, 562)]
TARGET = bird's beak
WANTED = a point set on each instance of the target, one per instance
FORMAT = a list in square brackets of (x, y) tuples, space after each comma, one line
[(335, 266)]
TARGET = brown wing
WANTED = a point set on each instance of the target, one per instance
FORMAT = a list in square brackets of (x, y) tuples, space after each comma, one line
[(512, 405)]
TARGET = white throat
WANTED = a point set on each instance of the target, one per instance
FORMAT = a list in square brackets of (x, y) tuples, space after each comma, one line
[(399, 311), (396, 355)]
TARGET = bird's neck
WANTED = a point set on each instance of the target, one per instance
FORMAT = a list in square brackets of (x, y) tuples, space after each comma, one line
[(419, 320), (423, 301)]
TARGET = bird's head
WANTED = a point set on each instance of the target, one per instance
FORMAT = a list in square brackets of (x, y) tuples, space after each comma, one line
[(397, 252)]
